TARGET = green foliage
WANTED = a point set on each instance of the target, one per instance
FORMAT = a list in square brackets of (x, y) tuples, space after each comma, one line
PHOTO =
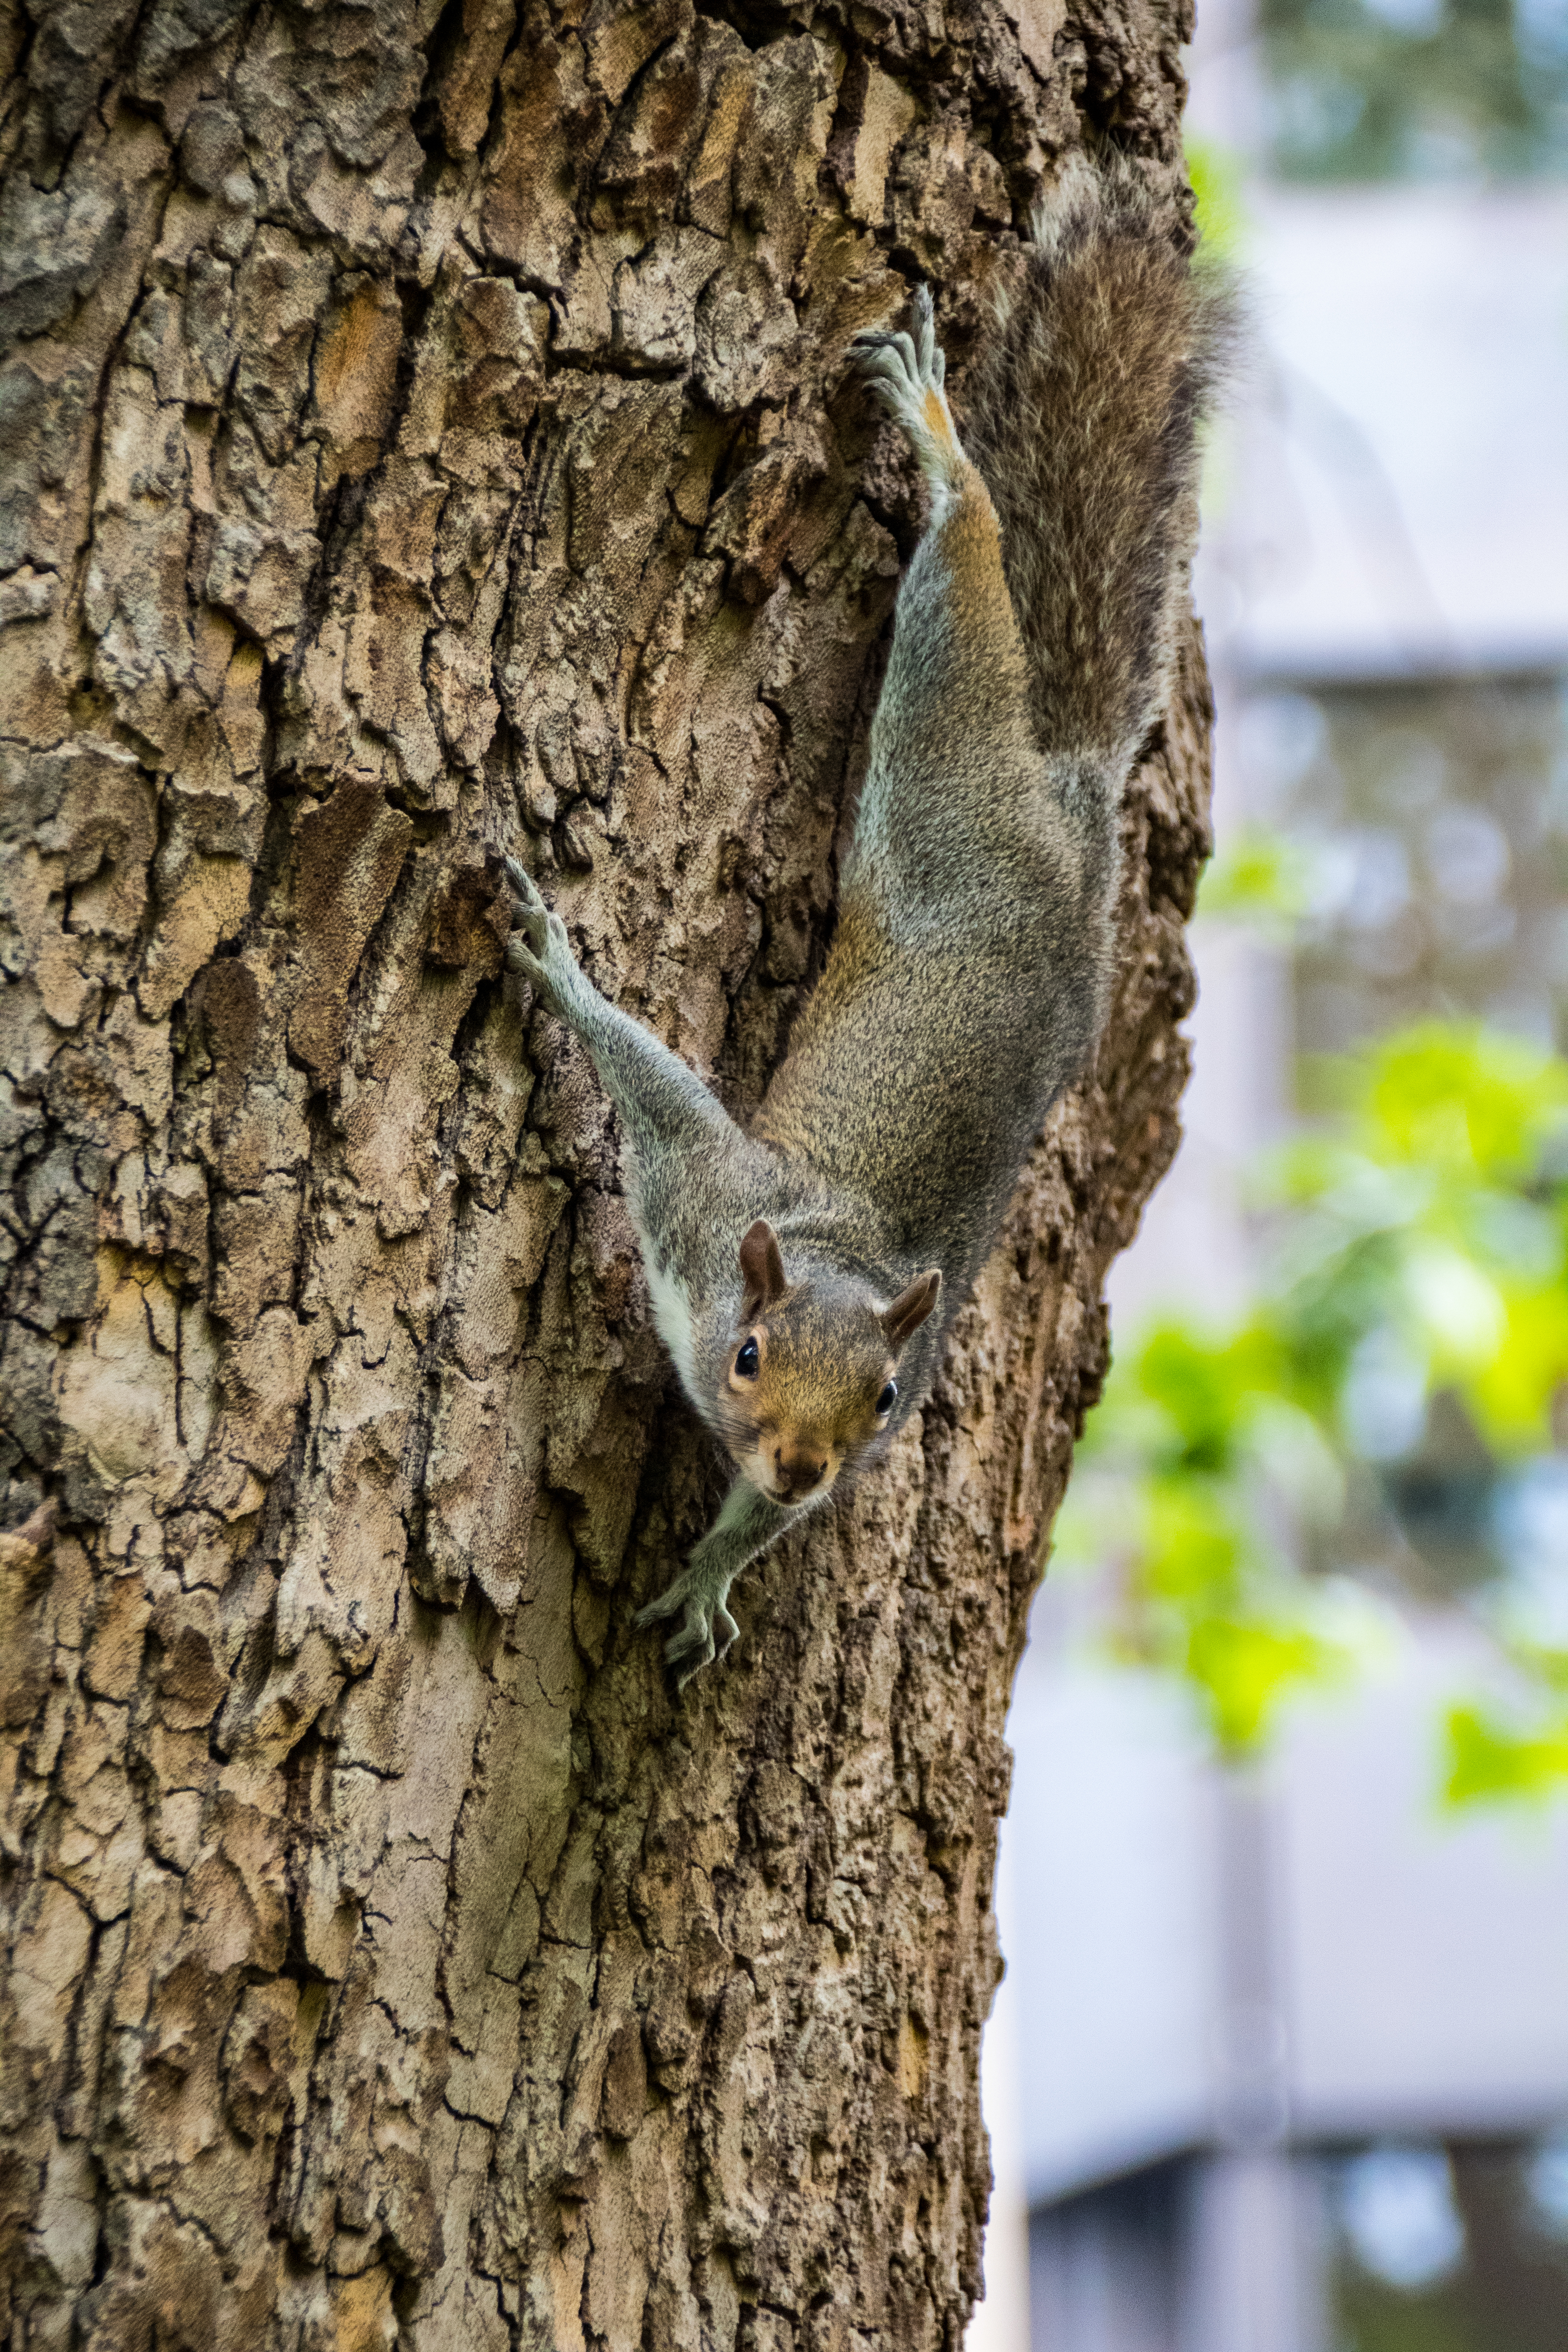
[(1491, 1761), (1521, 1755), (1428, 1217), (1197, 1431), (1218, 178), (1420, 1227), (1258, 877)]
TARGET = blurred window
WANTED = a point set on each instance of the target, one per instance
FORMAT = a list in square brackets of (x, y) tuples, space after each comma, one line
[(1462, 2249), (1417, 90), (1432, 816), (1546, 2185), (1397, 2207)]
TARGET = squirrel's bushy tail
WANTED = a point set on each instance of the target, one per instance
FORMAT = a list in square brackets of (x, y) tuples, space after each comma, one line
[(1084, 424)]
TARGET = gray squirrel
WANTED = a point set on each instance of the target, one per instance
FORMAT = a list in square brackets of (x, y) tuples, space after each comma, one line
[(803, 1275)]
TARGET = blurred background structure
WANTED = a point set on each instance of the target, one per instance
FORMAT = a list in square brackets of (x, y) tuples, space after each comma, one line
[(1281, 2060)]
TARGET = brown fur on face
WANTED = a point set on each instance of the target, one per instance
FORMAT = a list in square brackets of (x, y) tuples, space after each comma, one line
[(826, 1354)]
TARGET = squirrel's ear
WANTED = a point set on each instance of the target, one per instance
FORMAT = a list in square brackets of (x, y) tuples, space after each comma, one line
[(762, 1267), (911, 1306)]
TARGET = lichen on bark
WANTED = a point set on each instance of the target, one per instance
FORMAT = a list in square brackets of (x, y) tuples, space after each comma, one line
[(427, 430)]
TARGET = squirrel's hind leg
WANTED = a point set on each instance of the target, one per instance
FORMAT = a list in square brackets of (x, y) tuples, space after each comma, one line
[(952, 803)]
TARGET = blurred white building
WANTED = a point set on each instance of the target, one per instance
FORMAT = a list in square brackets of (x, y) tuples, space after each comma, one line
[(1211, 1976), (1247, 2018)]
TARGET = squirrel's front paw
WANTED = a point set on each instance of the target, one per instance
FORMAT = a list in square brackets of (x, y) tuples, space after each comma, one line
[(706, 1628), (539, 946)]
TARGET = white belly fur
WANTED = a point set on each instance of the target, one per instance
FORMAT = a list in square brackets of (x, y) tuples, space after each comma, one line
[(672, 1314)]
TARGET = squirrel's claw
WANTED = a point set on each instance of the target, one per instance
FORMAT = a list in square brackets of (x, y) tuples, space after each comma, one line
[(700, 1643), (523, 884), (889, 363), (539, 948), (529, 912), (900, 365), (908, 374), (704, 1634), (690, 1649), (925, 331)]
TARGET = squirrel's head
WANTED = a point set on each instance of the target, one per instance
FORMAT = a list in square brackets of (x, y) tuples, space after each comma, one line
[(810, 1380)]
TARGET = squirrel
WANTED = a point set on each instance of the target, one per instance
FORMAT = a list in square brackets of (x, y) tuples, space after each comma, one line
[(803, 1275)]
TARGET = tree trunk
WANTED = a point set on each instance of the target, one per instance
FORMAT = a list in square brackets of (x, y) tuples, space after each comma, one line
[(428, 428)]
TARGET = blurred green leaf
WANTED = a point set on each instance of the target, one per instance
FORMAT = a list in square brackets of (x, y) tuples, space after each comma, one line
[(1420, 1236), (1219, 176), (1243, 1667), (1490, 1762), (1257, 875), (1465, 1098)]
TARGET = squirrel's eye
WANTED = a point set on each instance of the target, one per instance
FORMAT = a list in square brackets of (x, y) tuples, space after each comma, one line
[(746, 1360), (889, 1398)]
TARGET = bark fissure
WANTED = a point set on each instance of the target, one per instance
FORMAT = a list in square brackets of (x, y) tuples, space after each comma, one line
[(428, 437)]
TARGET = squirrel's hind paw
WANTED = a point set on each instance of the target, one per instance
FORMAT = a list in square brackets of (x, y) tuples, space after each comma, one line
[(901, 366), (909, 373), (891, 365)]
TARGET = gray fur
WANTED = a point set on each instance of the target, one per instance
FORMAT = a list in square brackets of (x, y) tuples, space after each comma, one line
[(966, 981)]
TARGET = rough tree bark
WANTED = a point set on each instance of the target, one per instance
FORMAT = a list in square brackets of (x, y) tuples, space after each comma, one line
[(427, 430)]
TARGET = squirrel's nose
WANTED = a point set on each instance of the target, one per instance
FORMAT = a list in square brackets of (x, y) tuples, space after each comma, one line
[(795, 1474)]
